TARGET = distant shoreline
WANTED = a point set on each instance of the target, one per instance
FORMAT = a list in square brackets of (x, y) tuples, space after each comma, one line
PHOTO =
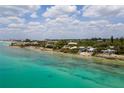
[(112, 60)]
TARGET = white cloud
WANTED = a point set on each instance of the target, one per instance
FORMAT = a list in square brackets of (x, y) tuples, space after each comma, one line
[(25, 27), (59, 23), (69, 27), (34, 15), (14, 26), (56, 11), (35, 26), (64, 27), (11, 19), (19, 10), (34, 23), (15, 14), (15, 19), (103, 11)]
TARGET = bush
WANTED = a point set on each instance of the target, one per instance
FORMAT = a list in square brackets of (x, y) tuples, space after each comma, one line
[(94, 53), (65, 50), (27, 40), (60, 44), (74, 51)]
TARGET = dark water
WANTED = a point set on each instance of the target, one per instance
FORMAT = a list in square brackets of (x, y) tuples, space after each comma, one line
[(26, 69)]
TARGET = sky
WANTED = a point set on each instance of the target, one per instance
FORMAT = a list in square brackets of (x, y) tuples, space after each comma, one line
[(61, 22)]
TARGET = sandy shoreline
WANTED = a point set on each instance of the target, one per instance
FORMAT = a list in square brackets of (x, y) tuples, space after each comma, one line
[(50, 51), (112, 56), (112, 60)]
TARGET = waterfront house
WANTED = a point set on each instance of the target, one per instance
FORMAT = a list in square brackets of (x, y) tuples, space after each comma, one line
[(50, 44), (91, 49), (108, 51), (82, 49), (74, 47), (66, 47), (72, 44), (35, 43), (111, 47)]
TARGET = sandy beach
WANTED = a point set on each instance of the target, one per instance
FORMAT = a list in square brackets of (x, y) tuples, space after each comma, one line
[(111, 60), (112, 56)]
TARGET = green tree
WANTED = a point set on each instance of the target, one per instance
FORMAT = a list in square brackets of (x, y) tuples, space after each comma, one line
[(60, 44), (27, 40), (121, 40), (112, 39)]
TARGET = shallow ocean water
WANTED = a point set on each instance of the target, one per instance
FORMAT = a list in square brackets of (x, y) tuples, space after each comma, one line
[(22, 68)]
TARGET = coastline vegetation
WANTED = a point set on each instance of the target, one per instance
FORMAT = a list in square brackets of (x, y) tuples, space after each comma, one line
[(89, 47)]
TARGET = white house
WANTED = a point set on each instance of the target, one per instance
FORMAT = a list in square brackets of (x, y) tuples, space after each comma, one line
[(35, 43), (74, 47), (66, 46), (109, 51), (111, 47), (91, 49), (72, 44)]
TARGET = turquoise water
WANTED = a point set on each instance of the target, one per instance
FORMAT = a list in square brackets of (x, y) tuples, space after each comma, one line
[(21, 68)]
